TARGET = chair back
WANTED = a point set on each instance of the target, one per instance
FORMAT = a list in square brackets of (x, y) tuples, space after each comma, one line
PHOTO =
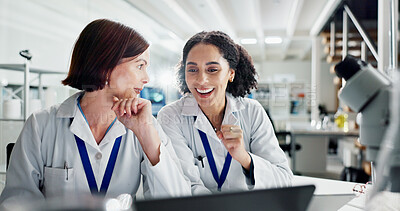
[(9, 149)]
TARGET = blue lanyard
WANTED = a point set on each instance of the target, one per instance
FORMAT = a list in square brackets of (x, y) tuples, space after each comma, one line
[(221, 179), (88, 167)]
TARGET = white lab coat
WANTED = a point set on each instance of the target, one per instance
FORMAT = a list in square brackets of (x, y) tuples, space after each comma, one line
[(271, 167), (47, 141)]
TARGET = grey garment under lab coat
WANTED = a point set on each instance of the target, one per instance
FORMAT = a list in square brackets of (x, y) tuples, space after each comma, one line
[(47, 143), (181, 121)]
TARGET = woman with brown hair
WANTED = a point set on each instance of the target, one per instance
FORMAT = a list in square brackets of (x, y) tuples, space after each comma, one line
[(102, 139), (225, 142)]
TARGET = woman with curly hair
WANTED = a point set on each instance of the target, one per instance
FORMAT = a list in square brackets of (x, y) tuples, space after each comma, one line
[(225, 142)]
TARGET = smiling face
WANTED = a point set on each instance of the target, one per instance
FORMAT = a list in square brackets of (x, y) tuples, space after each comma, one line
[(129, 76), (207, 74)]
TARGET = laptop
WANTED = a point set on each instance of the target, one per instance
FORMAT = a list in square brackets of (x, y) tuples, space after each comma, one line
[(290, 198)]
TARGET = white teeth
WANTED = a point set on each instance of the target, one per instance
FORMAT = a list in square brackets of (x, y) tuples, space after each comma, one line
[(204, 91)]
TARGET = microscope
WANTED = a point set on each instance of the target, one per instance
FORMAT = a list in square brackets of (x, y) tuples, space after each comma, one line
[(366, 91), (377, 99)]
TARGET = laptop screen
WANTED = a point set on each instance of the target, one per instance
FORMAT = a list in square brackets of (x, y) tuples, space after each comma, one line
[(290, 198)]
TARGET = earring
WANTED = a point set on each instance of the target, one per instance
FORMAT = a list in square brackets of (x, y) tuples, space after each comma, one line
[(231, 80), (106, 81)]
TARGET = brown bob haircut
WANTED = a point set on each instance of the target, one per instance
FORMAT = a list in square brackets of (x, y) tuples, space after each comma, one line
[(99, 49)]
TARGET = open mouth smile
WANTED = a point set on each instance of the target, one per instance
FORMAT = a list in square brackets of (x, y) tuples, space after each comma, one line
[(204, 92)]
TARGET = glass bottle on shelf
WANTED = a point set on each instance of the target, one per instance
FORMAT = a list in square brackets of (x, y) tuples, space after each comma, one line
[(341, 119)]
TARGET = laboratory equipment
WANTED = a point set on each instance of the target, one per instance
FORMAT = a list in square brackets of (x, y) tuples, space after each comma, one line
[(377, 97), (366, 91), (341, 120)]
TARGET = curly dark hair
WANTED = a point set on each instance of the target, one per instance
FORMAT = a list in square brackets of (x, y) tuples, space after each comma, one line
[(237, 57)]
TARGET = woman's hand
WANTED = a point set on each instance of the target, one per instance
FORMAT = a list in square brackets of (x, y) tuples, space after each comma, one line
[(232, 138), (135, 114)]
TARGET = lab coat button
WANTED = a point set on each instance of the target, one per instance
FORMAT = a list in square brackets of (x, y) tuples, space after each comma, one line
[(98, 156)]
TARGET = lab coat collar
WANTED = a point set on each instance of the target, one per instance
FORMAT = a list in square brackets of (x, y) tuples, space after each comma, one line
[(204, 125), (233, 105), (79, 127), (191, 108), (117, 130), (67, 109)]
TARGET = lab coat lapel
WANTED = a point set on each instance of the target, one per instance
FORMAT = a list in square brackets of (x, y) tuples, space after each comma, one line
[(117, 130), (232, 106), (67, 109), (80, 128), (191, 108), (204, 125)]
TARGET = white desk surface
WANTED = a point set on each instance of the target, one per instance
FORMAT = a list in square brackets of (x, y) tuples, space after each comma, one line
[(325, 186), (332, 194), (328, 195)]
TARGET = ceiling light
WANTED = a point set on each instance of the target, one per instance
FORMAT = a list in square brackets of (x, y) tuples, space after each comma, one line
[(248, 41), (273, 40)]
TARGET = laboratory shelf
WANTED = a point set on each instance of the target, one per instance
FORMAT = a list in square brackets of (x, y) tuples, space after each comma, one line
[(6, 119), (27, 70), (21, 68)]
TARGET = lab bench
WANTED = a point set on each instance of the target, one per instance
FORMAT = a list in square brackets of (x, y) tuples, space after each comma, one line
[(321, 136), (332, 194)]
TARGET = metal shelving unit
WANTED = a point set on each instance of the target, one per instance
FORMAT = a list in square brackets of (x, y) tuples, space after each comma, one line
[(278, 96), (27, 70)]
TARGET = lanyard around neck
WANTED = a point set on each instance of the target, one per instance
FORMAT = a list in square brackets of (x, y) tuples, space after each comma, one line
[(88, 167), (219, 179)]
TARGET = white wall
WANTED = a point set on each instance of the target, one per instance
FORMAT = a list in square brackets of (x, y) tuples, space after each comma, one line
[(49, 30), (300, 69)]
